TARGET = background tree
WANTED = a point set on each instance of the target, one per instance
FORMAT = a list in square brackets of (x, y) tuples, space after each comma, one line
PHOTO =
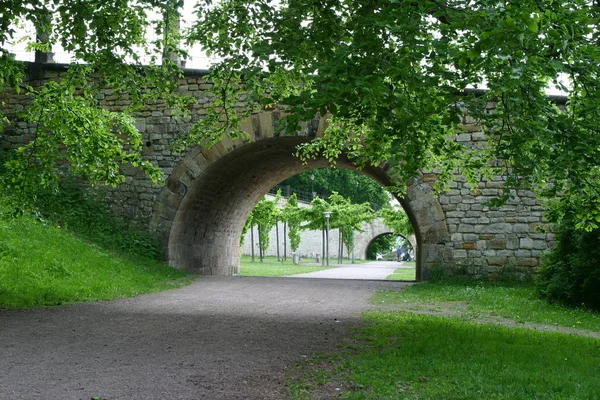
[(396, 219), (352, 185), (265, 215), (348, 217), (293, 217)]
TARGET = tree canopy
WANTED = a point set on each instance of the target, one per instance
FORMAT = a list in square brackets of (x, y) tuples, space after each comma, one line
[(393, 77), (352, 185)]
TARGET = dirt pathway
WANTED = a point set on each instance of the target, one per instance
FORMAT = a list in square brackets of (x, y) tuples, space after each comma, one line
[(219, 338)]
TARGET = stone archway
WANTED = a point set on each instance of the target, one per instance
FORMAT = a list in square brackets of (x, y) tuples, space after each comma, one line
[(209, 195), (374, 230)]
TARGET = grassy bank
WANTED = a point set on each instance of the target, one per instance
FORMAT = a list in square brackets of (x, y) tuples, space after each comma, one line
[(437, 341), (42, 264)]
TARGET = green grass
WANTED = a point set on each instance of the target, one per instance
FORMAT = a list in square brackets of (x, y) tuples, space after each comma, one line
[(406, 353), (271, 267), (44, 265), (408, 356), (472, 299), (403, 274)]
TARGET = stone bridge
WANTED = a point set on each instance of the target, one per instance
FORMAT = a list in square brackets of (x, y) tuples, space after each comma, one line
[(209, 192)]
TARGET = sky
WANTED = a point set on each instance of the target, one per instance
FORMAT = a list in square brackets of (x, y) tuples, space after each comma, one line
[(197, 60)]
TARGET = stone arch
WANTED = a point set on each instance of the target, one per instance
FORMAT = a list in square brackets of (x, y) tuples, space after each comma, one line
[(202, 209), (372, 231)]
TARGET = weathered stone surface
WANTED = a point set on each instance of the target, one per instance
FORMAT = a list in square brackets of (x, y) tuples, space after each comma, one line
[(209, 193)]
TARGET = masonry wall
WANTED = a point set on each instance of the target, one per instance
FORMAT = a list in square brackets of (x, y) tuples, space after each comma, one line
[(481, 239)]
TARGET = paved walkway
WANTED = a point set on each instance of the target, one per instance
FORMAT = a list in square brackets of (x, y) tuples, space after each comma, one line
[(374, 270), (219, 338)]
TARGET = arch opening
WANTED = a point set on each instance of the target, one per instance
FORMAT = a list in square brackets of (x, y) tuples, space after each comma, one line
[(210, 195)]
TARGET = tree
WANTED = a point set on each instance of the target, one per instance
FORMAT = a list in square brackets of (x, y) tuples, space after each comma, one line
[(390, 77), (108, 40), (292, 216), (344, 215), (353, 185), (396, 219), (265, 215), (348, 218)]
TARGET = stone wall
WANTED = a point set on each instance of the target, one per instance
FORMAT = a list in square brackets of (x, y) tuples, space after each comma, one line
[(208, 194)]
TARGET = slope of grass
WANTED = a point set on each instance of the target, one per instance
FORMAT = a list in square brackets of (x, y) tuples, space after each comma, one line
[(44, 265), (271, 267)]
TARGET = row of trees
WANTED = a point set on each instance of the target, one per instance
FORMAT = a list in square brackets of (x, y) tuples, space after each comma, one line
[(337, 212)]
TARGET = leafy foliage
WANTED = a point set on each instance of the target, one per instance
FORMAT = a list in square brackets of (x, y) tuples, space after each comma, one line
[(396, 219), (71, 126), (569, 272), (391, 77), (265, 215), (344, 215), (353, 185), (292, 215)]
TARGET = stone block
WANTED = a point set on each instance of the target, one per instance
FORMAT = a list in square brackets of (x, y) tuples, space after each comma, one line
[(526, 243), (497, 260), (498, 244), (528, 262)]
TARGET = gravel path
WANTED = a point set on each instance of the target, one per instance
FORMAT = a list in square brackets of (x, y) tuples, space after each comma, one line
[(377, 270), (219, 338)]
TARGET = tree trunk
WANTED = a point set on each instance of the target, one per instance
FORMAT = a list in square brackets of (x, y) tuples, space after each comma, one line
[(341, 247), (323, 252), (284, 241), (260, 247), (277, 237), (252, 240)]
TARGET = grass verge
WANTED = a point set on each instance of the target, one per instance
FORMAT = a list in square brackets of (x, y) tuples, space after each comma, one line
[(403, 274), (412, 356), (486, 300), (271, 267), (44, 265), (434, 341)]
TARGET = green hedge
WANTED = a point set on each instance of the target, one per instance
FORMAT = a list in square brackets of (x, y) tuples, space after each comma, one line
[(570, 273)]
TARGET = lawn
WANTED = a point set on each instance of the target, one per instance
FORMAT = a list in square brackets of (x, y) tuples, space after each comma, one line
[(460, 341), (44, 265), (404, 274), (271, 267), (478, 300)]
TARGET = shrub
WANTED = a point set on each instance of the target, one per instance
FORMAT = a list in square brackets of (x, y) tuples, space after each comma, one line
[(570, 273)]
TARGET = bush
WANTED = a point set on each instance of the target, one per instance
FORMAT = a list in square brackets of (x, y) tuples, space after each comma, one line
[(570, 273)]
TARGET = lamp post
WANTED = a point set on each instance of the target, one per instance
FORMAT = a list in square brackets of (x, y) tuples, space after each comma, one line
[(312, 189), (327, 215)]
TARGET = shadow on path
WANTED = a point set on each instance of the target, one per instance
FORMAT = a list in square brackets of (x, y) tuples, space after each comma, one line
[(219, 338)]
